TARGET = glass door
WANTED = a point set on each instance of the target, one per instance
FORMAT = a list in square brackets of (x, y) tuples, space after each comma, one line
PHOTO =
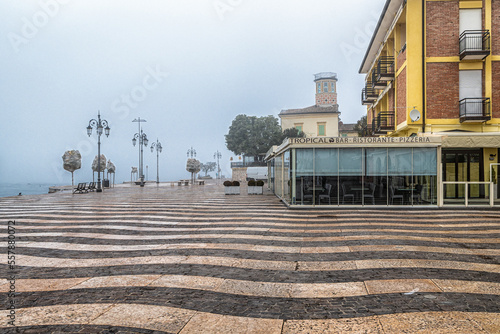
[(475, 190), (449, 173), (463, 166)]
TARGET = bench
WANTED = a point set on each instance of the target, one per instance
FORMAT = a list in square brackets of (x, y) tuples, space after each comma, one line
[(201, 182), (91, 186), (183, 182), (81, 188)]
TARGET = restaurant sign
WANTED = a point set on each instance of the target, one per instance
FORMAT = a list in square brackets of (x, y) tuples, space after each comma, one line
[(366, 140)]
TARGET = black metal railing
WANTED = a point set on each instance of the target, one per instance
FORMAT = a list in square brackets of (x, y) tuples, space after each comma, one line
[(248, 164), (368, 95), (383, 122), (475, 109), (383, 72), (474, 44)]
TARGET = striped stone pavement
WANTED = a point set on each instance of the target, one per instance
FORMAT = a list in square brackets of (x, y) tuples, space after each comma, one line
[(192, 260)]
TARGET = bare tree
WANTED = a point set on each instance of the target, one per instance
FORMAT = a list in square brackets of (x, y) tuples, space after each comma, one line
[(208, 167)]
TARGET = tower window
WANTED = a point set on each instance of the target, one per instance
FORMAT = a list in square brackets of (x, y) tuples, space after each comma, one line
[(319, 87), (325, 87)]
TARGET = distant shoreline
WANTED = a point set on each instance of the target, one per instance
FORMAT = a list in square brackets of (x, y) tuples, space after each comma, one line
[(13, 189)]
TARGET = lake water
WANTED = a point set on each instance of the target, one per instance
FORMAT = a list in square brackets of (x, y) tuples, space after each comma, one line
[(13, 189)]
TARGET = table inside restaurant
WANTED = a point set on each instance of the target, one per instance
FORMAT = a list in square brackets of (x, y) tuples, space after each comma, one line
[(357, 190), (406, 192)]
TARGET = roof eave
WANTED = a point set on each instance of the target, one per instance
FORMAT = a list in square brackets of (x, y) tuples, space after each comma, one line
[(309, 113), (384, 22)]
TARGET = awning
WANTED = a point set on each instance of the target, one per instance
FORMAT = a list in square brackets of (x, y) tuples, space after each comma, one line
[(472, 141)]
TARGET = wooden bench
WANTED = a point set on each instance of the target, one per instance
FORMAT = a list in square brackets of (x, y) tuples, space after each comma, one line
[(81, 188)]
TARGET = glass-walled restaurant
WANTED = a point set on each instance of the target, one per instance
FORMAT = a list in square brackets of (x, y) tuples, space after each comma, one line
[(356, 171)]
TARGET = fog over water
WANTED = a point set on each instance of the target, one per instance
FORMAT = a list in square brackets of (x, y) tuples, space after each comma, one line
[(186, 66)]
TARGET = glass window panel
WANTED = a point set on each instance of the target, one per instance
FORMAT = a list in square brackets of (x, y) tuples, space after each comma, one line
[(326, 162), (305, 162), (321, 129), (350, 161), (376, 161), (470, 83), (286, 176), (400, 161), (424, 161), (279, 175)]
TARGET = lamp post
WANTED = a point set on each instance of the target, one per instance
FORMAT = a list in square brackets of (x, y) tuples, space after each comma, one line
[(143, 140), (191, 152), (158, 147), (99, 125), (218, 155)]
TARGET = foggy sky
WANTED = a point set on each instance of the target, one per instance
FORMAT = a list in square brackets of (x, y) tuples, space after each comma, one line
[(186, 66)]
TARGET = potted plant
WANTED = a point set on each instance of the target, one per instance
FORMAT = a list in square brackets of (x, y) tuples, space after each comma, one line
[(255, 187), (231, 188)]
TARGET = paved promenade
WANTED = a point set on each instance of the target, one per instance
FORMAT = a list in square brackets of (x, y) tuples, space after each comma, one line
[(192, 260)]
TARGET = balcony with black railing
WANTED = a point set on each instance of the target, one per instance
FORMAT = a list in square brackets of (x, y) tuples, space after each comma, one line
[(474, 44), (383, 123), (383, 72), (368, 95), (475, 110), (385, 69)]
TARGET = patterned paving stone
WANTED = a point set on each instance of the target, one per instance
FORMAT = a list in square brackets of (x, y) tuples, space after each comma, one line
[(430, 322), (158, 318), (224, 324), (368, 325), (190, 259)]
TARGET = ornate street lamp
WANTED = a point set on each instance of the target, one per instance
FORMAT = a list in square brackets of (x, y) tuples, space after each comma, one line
[(143, 140), (191, 152), (158, 147), (99, 125), (218, 155)]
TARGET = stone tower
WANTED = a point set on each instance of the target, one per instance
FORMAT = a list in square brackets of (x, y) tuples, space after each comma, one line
[(326, 89)]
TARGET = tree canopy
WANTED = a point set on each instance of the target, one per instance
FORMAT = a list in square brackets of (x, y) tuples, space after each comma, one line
[(361, 127), (251, 135), (293, 133), (208, 167)]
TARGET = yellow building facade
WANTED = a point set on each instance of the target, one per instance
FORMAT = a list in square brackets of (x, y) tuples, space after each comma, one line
[(433, 69)]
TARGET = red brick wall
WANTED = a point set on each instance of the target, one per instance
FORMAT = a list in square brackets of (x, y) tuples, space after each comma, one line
[(495, 98), (400, 60), (401, 97), (369, 118), (390, 99), (442, 28), (495, 27), (442, 90)]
